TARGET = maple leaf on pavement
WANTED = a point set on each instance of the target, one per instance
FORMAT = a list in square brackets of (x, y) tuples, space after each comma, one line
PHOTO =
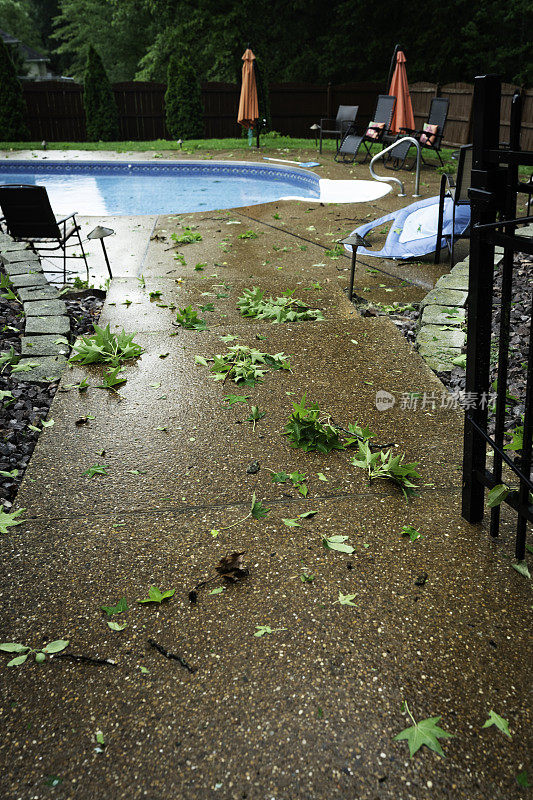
[(426, 732), (500, 722)]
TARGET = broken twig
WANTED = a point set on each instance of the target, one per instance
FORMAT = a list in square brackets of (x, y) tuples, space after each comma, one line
[(171, 656)]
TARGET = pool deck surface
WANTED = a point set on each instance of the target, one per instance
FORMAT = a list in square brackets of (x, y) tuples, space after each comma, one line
[(309, 710)]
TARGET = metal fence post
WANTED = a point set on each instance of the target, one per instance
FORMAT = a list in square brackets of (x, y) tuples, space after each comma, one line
[(486, 126)]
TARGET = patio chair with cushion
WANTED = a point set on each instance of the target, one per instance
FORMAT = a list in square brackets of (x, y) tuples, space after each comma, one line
[(429, 138), (457, 191), (28, 216), (377, 128), (343, 122)]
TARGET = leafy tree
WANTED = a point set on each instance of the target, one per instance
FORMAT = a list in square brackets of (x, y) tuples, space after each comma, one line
[(183, 100), (138, 37), (99, 101), (12, 107), (18, 19), (120, 30)]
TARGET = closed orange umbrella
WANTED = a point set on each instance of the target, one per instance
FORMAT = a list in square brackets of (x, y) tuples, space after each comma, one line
[(248, 104), (403, 112)]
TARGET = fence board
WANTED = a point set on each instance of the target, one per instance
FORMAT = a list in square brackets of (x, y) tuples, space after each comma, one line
[(221, 102), (141, 110), (458, 125), (527, 120), (294, 107), (422, 94), (360, 94), (55, 109)]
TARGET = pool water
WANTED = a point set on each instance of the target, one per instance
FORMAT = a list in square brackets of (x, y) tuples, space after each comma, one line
[(101, 188)]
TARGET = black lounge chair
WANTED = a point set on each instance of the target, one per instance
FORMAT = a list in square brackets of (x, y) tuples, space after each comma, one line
[(429, 138), (28, 216), (458, 190), (377, 128), (343, 122)]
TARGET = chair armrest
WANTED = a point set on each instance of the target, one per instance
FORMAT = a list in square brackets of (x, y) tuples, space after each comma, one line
[(346, 124), (64, 219), (447, 184)]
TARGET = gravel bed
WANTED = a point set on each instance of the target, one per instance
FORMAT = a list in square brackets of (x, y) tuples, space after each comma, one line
[(31, 402)]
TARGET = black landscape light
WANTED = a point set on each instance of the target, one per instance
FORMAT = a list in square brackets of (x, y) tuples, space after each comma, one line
[(355, 241), (100, 233)]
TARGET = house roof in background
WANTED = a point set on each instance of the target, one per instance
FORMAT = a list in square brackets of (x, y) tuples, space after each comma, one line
[(28, 53)]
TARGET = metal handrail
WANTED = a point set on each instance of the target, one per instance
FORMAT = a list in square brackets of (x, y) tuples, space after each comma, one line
[(397, 180)]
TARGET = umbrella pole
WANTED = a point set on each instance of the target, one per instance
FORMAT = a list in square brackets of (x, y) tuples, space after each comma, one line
[(257, 145), (391, 69)]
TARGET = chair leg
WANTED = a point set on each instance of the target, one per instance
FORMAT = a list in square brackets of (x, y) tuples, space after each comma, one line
[(441, 219), (452, 248), (368, 152), (320, 149)]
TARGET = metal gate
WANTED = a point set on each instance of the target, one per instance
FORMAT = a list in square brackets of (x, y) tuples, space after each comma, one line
[(493, 194)]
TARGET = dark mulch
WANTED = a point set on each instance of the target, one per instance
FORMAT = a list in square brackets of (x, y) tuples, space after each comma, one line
[(30, 402)]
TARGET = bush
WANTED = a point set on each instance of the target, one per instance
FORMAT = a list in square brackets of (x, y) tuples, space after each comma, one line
[(183, 100), (12, 107), (99, 101)]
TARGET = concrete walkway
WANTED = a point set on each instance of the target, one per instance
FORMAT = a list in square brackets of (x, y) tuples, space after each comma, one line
[(309, 710)]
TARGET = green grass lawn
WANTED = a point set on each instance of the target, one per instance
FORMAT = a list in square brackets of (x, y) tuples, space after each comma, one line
[(268, 142)]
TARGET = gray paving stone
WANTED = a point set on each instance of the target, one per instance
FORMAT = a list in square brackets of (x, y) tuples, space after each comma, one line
[(45, 308), (443, 315), (445, 297), (439, 360), (56, 325), (5, 239), (43, 346), (11, 246), (37, 293), (19, 255), (453, 281), (20, 267), (434, 335), (463, 268), (44, 370), (20, 281)]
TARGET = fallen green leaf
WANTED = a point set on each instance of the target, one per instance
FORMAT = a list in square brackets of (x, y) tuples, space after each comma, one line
[(117, 626), (337, 543), (499, 722), (155, 595)]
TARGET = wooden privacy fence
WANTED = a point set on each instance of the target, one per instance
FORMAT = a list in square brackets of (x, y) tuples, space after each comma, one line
[(55, 109), (458, 129)]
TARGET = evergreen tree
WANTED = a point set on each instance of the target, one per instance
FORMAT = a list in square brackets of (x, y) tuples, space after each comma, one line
[(183, 100), (12, 107), (99, 101)]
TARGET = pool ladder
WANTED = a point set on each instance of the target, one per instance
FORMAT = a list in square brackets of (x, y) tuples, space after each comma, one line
[(392, 179)]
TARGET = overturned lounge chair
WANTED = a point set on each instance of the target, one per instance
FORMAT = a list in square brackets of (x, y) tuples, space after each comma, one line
[(414, 230)]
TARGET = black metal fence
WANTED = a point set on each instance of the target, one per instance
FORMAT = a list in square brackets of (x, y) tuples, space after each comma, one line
[(495, 186)]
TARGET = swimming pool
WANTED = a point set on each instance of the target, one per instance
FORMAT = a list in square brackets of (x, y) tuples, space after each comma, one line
[(118, 188)]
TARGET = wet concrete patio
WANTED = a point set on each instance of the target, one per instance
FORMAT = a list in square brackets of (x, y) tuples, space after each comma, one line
[(310, 710)]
